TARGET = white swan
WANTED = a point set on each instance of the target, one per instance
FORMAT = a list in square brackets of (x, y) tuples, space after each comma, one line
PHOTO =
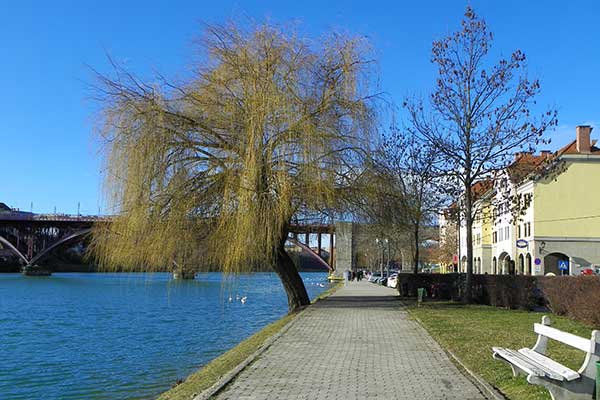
[(243, 299)]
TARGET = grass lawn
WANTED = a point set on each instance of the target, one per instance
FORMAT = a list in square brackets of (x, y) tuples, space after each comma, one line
[(470, 332), (214, 370)]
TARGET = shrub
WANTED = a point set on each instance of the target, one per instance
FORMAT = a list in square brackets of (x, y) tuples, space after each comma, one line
[(438, 286), (506, 291), (577, 297), (495, 290)]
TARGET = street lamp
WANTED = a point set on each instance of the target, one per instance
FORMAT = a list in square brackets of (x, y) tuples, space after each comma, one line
[(379, 255), (387, 265)]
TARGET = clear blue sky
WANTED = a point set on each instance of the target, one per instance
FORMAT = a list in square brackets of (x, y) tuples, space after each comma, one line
[(48, 154)]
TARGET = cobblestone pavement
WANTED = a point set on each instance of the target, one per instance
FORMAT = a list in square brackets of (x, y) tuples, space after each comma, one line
[(356, 344)]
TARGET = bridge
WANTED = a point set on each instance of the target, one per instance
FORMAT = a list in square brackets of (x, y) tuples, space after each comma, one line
[(32, 237)]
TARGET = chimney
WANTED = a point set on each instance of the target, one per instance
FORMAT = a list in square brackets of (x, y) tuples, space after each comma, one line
[(583, 138), (545, 153)]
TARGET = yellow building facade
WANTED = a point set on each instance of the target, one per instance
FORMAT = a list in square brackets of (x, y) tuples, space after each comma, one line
[(558, 231)]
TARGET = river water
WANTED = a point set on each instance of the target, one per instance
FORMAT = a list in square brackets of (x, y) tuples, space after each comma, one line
[(125, 336)]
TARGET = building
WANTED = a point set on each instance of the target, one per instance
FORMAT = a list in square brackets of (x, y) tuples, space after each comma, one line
[(482, 228), (563, 228), (539, 215), (448, 243)]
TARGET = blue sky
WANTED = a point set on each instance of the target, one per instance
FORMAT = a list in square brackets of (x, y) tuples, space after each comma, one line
[(49, 155)]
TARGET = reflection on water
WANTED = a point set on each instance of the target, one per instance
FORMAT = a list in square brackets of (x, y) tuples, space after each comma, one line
[(125, 336)]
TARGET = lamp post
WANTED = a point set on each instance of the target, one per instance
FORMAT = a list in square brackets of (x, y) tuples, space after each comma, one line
[(387, 264), (379, 256)]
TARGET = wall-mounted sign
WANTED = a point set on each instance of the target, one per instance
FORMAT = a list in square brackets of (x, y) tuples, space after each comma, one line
[(522, 243), (563, 265), (537, 261)]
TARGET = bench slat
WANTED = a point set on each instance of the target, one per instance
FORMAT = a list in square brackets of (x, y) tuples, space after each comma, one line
[(519, 361), (548, 372), (564, 337), (566, 372)]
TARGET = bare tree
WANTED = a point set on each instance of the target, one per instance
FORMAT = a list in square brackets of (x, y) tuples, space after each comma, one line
[(479, 113), (410, 167), (214, 170)]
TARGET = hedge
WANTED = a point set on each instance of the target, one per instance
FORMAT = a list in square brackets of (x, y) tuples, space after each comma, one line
[(507, 291), (577, 297)]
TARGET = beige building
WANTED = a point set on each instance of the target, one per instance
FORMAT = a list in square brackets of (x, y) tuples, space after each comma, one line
[(541, 214)]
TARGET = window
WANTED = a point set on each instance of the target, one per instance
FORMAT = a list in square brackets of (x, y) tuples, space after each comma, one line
[(501, 207), (501, 234), (519, 231), (507, 233), (495, 237), (527, 229)]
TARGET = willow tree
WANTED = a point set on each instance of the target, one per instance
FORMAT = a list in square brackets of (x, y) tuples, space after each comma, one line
[(212, 171)]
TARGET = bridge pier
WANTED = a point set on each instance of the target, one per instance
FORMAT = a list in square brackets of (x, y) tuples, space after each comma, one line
[(331, 250), (319, 244), (179, 274), (345, 258), (35, 270)]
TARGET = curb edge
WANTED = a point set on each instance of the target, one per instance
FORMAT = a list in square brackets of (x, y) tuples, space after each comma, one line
[(483, 386)]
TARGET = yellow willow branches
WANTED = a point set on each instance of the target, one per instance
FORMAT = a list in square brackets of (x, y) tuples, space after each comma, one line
[(209, 173)]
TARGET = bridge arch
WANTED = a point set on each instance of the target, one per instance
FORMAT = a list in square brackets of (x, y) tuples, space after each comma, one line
[(310, 252), (9, 245), (69, 238)]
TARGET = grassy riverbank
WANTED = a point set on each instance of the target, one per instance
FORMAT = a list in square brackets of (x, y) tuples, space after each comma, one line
[(214, 370), (469, 332)]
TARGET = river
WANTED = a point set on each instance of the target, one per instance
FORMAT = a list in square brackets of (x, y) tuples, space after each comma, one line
[(125, 335)]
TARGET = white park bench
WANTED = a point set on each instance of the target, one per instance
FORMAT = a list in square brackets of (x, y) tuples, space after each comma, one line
[(561, 382)]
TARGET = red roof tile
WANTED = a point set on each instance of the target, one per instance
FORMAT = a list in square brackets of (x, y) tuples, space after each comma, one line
[(524, 164), (571, 148)]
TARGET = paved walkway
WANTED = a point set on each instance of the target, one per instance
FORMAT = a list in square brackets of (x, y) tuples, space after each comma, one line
[(356, 344)]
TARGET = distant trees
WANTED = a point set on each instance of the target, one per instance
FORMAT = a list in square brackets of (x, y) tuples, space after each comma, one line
[(214, 169), (409, 194), (478, 115), (446, 251)]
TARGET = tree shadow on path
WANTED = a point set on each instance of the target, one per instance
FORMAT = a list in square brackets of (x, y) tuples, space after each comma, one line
[(359, 302)]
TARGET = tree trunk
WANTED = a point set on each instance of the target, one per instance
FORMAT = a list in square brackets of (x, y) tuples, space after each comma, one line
[(416, 255), (468, 298), (290, 278)]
